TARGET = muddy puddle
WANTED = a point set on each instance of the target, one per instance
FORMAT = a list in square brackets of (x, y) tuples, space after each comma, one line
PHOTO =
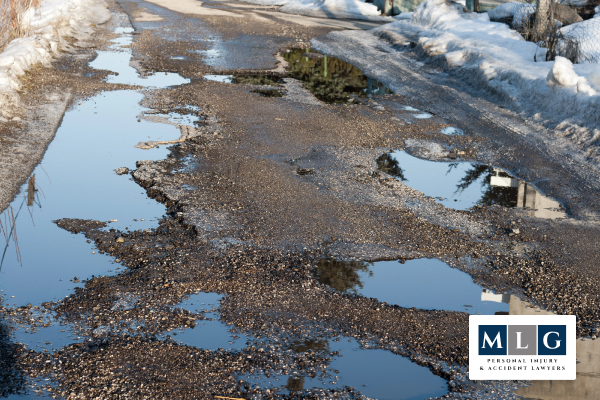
[(329, 79), (462, 185), (422, 283), (188, 116)]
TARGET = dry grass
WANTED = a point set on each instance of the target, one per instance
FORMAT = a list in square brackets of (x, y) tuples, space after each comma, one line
[(11, 17)]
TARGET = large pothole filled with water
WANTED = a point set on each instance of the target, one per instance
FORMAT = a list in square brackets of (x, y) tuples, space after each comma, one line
[(329, 79), (462, 185), (422, 283)]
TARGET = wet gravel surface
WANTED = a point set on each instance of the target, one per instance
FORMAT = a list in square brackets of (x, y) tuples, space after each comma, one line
[(261, 191)]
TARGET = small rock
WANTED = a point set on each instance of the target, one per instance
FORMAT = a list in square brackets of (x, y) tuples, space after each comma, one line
[(120, 240), (305, 171), (122, 171), (516, 231), (113, 220)]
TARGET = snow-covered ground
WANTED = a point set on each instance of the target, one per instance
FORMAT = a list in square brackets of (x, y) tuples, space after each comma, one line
[(356, 9), (47, 27), (491, 56)]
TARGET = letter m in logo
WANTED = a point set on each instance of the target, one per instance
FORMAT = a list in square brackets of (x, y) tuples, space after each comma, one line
[(492, 340)]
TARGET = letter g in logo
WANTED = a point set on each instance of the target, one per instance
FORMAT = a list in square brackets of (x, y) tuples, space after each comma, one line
[(552, 340)]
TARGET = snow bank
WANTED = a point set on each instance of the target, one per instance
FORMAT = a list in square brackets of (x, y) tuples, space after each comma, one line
[(356, 9), (520, 12), (587, 34), (46, 28), (491, 56)]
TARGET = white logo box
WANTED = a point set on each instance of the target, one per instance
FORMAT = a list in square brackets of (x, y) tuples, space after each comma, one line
[(522, 367)]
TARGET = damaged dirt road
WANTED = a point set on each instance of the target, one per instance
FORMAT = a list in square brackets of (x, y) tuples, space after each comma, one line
[(292, 185)]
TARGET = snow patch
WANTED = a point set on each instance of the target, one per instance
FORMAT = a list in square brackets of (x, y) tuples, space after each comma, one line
[(46, 29), (586, 35), (493, 57), (562, 73), (357, 9), (520, 12)]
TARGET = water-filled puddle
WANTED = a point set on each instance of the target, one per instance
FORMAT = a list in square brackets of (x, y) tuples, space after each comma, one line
[(422, 283), (95, 137), (210, 333), (76, 179), (330, 79), (257, 80), (52, 337), (118, 58), (461, 185), (452, 131), (377, 374), (188, 116)]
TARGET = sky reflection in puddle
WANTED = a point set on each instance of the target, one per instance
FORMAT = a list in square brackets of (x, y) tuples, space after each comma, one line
[(96, 136), (422, 283), (452, 131), (375, 373), (219, 78), (462, 185), (208, 334), (53, 337), (118, 59), (184, 117)]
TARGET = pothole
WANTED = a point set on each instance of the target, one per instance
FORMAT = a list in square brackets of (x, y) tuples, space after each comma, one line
[(76, 179), (375, 373), (330, 79), (209, 333), (462, 185), (423, 283), (117, 60), (452, 131)]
